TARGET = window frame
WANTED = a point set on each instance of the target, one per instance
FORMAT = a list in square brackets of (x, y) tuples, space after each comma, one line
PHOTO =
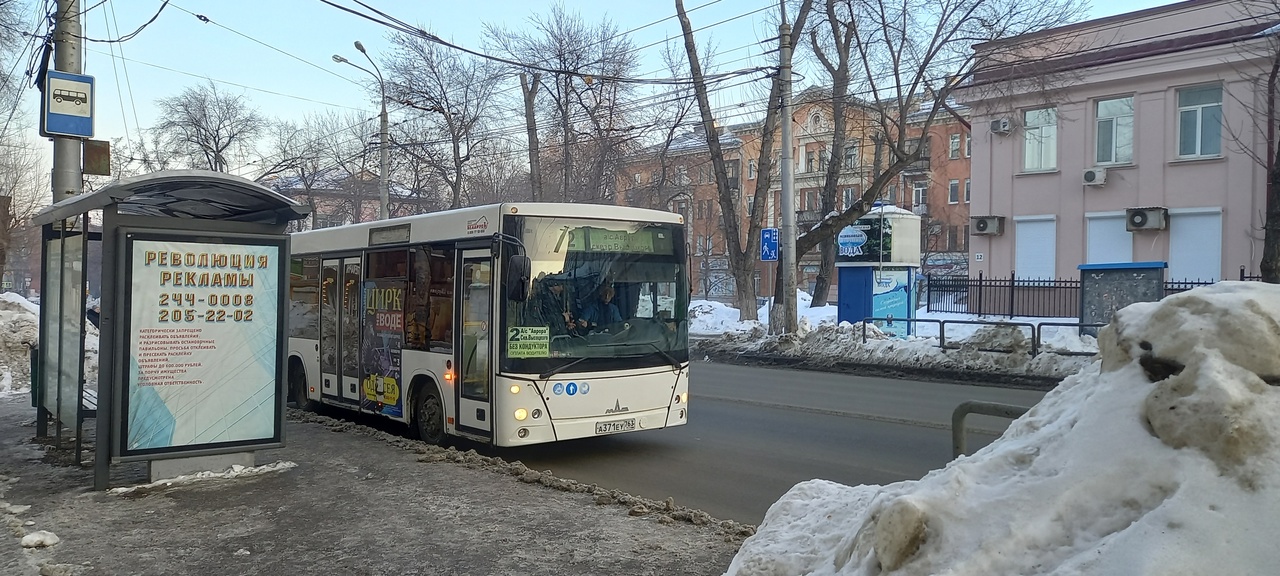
[(1098, 119), (953, 191), (1199, 110), (953, 146), (1037, 132), (968, 191)]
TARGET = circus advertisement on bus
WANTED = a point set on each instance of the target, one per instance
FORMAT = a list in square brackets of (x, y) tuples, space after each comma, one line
[(380, 362), (202, 350)]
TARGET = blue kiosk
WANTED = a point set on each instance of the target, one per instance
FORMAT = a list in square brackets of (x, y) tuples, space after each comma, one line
[(878, 261)]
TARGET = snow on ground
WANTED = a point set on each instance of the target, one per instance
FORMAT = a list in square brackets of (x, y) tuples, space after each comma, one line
[(821, 340), (235, 471), (1161, 458)]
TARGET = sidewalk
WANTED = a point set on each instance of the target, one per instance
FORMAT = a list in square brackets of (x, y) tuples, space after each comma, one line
[(358, 502)]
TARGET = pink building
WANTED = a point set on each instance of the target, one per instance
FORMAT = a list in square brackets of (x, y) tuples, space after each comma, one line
[(1138, 137)]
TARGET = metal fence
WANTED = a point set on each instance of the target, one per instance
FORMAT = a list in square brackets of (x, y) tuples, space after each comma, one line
[(1015, 296)]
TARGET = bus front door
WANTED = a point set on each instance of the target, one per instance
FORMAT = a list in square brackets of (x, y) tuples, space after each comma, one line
[(473, 356)]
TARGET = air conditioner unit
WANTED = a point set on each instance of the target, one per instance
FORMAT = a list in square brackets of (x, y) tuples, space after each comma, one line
[(1153, 218), (986, 225), (1001, 126), (920, 209), (1095, 176)]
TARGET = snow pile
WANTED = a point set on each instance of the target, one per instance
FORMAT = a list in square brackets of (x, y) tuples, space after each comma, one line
[(1182, 387), (236, 471), (40, 539), (19, 328), (971, 347)]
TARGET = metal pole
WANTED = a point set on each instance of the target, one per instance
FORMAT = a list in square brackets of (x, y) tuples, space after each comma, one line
[(67, 178), (787, 256), (384, 197)]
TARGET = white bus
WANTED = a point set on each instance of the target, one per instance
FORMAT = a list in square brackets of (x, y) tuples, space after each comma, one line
[(508, 324)]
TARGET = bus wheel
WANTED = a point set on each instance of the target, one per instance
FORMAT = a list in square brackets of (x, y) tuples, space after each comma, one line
[(428, 417), (298, 388)]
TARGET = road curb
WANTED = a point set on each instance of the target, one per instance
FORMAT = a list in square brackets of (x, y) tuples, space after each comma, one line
[(969, 377)]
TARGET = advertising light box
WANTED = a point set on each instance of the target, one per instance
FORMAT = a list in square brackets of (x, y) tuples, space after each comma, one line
[(202, 368)]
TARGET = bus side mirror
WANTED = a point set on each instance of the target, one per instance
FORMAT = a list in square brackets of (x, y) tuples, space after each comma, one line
[(518, 270)]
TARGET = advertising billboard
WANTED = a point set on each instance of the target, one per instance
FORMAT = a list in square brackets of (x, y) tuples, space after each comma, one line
[(202, 344)]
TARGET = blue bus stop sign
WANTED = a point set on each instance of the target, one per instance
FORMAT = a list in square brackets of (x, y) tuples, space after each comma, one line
[(769, 245), (67, 106)]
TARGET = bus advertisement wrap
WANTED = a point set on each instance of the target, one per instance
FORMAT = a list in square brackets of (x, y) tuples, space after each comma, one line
[(203, 352), (380, 356)]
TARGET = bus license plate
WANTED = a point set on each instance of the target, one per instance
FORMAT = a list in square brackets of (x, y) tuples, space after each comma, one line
[(615, 426)]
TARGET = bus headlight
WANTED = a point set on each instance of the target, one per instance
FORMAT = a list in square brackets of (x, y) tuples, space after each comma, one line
[(521, 414), (515, 388), (683, 398)]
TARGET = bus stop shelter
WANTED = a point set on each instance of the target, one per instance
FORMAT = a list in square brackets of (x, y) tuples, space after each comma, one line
[(192, 321)]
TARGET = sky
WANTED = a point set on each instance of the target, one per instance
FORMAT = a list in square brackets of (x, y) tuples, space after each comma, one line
[(277, 53)]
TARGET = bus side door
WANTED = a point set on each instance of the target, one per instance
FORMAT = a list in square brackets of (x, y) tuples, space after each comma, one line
[(473, 354)]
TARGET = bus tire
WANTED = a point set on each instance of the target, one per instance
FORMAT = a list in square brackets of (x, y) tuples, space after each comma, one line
[(298, 387), (428, 415)]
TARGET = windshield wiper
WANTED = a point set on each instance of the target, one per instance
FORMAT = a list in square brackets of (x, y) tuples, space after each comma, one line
[(669, 358), (560, 368)]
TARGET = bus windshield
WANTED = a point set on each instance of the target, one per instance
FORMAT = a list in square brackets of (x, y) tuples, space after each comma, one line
[(605, 295)]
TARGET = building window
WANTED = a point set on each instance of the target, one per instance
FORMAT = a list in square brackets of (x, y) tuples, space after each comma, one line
[(751, 170), (710, 249), (822, 160), (919, 192), (967, 195), (953, 147), (1115, 130), (965, 238), (891, 193), (968, 145), (851, 154), (1200, 121), (810, 162), (953, 192), (953, 243), (850, 196), (751, 205), (1040, 139), (682, 208)]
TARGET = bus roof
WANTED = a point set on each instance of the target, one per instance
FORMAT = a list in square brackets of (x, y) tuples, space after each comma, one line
[(468, 223)]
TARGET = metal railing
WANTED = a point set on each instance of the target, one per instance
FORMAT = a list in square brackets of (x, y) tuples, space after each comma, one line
[(1036, 332), (1026, 297), (968, 407)]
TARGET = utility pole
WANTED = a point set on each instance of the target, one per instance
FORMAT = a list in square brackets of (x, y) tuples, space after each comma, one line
[(67, 178), (787, 235)]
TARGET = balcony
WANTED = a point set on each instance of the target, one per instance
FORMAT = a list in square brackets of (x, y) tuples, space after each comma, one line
[(807, 218)]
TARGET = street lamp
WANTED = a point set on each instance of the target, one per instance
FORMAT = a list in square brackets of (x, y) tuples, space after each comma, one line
[(383, 144)]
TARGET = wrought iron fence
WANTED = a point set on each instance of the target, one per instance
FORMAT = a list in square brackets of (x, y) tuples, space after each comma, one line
[(1026, 297)]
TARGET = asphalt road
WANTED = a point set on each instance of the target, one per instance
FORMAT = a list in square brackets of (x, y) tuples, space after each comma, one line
[(753, 433)]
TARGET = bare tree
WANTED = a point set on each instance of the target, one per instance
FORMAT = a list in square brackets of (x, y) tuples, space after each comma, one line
[(206, 125), (741, 254), (1261, 53), (832, 43), (911, 56), (24, 190), (585, 106), (454, 92)]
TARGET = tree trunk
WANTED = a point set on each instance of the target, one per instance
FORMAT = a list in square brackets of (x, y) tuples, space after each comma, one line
[(826, 270), (1270, 265), (6, 233), (530, 89)]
